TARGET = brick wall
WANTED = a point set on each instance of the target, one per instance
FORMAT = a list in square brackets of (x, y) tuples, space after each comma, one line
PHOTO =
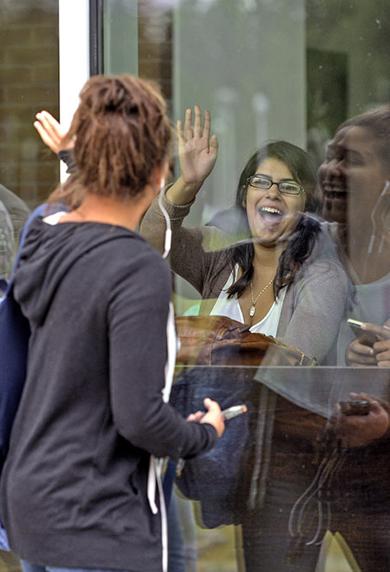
[(28, 83)]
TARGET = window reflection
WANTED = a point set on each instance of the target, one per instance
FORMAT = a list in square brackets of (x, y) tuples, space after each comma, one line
[(300, 478), (301, 471)]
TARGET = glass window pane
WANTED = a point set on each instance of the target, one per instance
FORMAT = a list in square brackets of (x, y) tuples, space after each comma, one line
[(292, 485)]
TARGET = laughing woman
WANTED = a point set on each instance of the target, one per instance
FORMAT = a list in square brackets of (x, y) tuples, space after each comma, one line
[(285, 280), (80, 488)]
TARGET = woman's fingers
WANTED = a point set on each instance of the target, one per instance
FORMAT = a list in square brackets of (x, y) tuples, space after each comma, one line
[(44, 136), (207, 125), (214, 144), (193, 124), (359, 430), (362, 395), (51, 125), (50, 131), (188, 130), (382, 350), (383, 332), (179, 130), (197, 121), (382, 353), (360, 354), (196, 417), (382, 346)]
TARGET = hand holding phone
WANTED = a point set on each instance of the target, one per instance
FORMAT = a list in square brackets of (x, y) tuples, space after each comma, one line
[(355, 407), (361, 420), (234, 411), (213, 416), (363, 332)]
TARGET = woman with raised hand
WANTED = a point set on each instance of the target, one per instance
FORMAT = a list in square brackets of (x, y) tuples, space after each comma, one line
[(270, 264), (285, 279), (81, 484)]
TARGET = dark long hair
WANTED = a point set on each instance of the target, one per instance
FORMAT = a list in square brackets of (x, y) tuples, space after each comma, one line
[(301, 242)]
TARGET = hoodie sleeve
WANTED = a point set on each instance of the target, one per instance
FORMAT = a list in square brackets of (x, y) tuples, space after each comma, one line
[(67, 156), (137, 317)]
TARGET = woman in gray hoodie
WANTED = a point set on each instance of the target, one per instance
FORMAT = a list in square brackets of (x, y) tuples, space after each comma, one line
[(81, 484)]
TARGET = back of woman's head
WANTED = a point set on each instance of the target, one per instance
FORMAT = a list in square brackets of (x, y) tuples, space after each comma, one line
[(121, 133), (296, 159)]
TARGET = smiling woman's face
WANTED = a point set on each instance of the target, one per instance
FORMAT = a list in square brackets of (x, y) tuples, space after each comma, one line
[(271, 214), (352, 177)]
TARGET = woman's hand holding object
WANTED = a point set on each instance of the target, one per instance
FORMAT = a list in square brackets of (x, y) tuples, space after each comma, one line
[(213, 416)]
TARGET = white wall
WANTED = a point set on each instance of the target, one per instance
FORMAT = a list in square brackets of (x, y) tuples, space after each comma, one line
[(74, 57)]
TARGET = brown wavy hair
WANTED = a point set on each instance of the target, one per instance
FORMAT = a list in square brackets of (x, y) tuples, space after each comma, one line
[(121, 133)]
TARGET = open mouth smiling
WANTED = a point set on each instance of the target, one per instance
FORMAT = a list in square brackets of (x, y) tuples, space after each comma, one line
[(334, 190), (270, 214)]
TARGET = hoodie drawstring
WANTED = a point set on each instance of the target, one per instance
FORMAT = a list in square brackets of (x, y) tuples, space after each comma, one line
[(156, 465)]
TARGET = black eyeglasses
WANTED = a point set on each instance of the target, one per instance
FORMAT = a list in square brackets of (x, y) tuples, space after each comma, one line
[(263, 183)]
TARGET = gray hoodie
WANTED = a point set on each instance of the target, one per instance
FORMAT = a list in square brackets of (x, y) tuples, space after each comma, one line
[(74, 485)]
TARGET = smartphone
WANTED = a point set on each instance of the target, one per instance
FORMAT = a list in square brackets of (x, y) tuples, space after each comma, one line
[(234, 411), (355, 407), (366, 337)]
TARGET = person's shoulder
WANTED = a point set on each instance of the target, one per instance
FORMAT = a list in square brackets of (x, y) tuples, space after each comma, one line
[(130, 253), (11, 201), (132, 270), (16, 208), (6, 225), (133, 242)]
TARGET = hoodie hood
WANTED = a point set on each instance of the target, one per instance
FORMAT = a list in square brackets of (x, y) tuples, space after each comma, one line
[(48, 254)]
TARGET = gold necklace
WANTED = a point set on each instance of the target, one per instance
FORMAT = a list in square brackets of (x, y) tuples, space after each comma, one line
[(252, 309)]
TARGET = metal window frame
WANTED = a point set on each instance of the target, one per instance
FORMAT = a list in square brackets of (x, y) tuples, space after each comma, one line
[(96, 37)]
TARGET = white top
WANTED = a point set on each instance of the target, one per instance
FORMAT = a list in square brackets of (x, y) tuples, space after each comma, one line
[(53, 219), (230, 307)]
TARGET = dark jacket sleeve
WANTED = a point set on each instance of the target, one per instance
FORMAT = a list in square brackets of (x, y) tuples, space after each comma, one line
[(66, 155), (137, 320)]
